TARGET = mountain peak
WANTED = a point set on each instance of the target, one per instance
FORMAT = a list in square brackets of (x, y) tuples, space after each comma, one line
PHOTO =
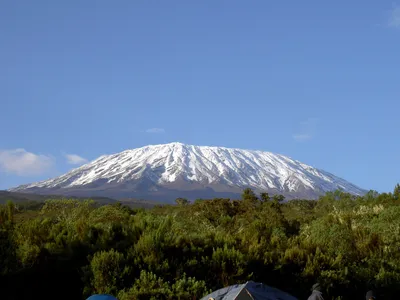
[(181, 168)]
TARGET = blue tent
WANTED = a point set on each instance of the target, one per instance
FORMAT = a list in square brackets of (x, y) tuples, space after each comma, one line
[(101, 297), (249, 291)]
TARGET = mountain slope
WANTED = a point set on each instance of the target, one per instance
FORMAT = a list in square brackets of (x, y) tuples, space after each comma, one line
[(176, 169)]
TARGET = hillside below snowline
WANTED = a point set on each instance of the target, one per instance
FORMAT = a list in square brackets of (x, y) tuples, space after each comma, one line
[(167, 171)]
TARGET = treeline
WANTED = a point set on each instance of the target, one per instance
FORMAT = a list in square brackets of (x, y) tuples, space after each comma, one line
[(70, 249)]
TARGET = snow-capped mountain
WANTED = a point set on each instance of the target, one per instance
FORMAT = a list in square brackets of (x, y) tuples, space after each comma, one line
[(177, 170)]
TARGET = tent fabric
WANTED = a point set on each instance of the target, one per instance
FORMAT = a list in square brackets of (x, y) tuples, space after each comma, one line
[(101, 297), (249, 291)]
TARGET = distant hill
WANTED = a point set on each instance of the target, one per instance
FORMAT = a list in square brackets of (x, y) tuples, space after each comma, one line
[(18, 197)]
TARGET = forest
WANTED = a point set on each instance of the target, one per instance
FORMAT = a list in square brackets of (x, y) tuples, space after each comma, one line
[(70, 249)]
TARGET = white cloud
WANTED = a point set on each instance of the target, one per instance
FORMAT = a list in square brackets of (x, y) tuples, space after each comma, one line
[(74, 159), (306, 131), (394, 18), (302, 137), (24, 163), (155, 130)]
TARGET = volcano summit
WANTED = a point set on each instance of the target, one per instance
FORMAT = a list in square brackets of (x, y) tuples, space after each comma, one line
[(165, 172)]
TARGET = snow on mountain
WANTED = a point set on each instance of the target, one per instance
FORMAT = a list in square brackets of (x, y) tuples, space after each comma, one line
[(217, 168)]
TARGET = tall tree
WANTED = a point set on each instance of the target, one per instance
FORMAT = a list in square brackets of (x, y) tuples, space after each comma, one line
[(249, 195), (396, 192), (182, 201), (265, 197), (278, 198)]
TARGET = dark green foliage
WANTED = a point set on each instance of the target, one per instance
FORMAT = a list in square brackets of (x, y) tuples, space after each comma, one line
[(278, 198), (149, 286), (396, 192), (265, 197), (249, 195), (182, 201), (108, 269), (73, 248)]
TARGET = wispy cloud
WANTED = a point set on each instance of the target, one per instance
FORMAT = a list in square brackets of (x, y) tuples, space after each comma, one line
[(74, 159), (23, 163), (306, 131), (394, 17), (302, 137), (155, 130)]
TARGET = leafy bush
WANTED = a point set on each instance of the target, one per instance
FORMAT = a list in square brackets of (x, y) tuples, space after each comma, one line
[(349, 244)]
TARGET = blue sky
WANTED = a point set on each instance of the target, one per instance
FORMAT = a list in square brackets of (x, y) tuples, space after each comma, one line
[(315, 80)]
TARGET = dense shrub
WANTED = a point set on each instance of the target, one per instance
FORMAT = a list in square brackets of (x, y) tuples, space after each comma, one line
[(73, 248)]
